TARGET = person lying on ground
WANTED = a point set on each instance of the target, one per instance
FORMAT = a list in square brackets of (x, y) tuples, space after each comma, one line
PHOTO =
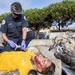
[(24, 62)]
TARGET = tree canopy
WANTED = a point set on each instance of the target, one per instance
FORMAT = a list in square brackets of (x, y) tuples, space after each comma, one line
[(62, 14), (59, 14)]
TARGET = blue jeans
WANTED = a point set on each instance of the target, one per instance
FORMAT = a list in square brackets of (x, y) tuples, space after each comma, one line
[(30, 36)]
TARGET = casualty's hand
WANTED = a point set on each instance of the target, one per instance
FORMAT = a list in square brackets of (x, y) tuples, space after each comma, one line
[(23, 45), (11, 43)]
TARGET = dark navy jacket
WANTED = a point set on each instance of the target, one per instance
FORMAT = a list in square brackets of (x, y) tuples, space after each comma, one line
[(13, 27)]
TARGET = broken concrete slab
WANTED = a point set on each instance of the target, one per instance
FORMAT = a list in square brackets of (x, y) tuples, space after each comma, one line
[(42, 42)]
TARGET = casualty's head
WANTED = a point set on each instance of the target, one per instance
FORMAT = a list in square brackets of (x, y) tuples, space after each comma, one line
[(43, 65), (16, 8)]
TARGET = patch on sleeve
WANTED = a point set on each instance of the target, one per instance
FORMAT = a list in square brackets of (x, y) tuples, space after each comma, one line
[(25, 18), (3, 22)]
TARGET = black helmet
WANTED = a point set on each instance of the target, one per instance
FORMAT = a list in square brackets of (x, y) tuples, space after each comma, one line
[(16, 8)]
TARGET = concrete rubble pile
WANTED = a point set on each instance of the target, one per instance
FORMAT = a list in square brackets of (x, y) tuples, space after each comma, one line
[(68, 39), (65, 51)]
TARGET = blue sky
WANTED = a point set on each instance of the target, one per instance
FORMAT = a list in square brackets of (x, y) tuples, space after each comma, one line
[(26, 4)]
